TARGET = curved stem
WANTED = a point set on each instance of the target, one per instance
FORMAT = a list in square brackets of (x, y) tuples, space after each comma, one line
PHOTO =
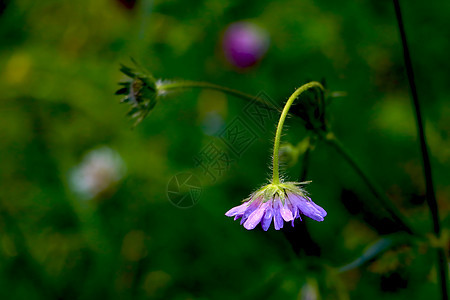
[(332, 140), (431, 196), (206, 85), (276, 147)]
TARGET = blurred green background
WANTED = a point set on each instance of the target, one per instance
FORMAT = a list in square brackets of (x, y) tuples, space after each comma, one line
[(59, 68)]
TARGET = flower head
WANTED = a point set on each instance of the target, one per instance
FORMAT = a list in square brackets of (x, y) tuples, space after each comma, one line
[(282, 202), (140, 91)]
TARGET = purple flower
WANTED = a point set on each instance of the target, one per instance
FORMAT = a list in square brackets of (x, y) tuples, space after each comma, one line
[(282, 202), (244, 44)]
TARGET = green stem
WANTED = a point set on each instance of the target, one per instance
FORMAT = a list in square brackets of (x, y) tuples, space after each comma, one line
[(431, 195), (333, 141), (178, 85), (276, 147)]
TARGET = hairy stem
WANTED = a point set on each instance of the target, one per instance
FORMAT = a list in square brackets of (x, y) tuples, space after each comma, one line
[(431, 196), (287, 106)]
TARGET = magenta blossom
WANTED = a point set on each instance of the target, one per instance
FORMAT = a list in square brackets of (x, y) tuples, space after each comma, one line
[(244, 44), (280, 202)]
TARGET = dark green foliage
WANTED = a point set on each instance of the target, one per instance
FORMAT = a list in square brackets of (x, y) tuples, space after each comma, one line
[(59, 68)]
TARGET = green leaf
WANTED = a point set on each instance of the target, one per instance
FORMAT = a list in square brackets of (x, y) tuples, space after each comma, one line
[(375, 249)]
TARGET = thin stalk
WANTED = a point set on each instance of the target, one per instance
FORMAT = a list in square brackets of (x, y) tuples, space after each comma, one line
[(431, 196), (333, 141), (177, 85)]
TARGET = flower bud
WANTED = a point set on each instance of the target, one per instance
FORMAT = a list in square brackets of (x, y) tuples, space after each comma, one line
[(289, 153), (140, 92), (311, 109)]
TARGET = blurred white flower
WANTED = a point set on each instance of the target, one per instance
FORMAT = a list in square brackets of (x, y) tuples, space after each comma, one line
[(100, 170), (310, 291)]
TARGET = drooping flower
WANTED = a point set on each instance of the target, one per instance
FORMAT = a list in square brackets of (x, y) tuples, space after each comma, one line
[(282, 202), (244, 44)]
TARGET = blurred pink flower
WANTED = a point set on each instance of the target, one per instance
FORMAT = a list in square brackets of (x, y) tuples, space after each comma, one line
[(244, 44)]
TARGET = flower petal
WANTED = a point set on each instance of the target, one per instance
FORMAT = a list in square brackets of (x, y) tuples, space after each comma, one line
[(251, 208), (293, 209), (320, 209), (238, 210), (255, 217), (308, 208), (310, 211), (267, 219), (286, 213), (277, 219)]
